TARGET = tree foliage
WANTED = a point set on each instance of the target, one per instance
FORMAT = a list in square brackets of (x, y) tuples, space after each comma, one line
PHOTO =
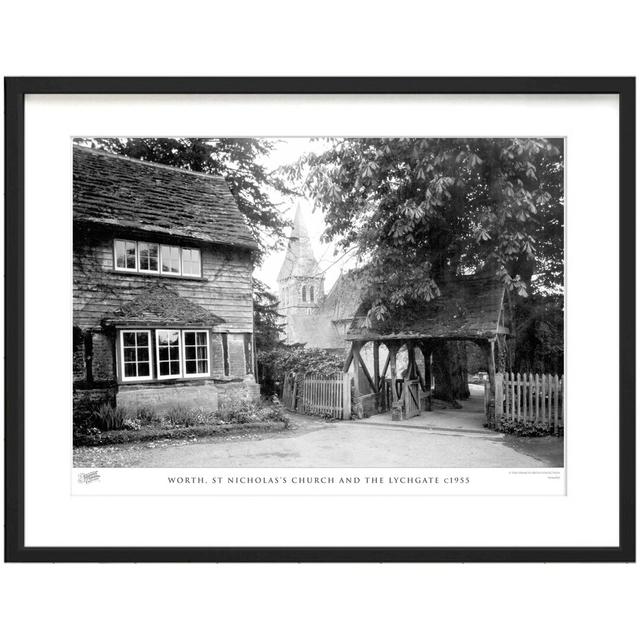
[(299, 360), (235, 159), (267, 321), (421, 209)]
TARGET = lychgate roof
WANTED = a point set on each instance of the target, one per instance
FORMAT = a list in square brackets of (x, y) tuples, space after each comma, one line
[(125, 193), (160, 304), (467, 308)]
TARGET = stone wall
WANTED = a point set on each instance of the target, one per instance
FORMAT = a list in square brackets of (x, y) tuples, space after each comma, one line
[(197, 394), (202, 394)]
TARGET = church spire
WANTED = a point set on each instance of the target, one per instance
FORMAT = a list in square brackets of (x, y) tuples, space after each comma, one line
[(299, 260)]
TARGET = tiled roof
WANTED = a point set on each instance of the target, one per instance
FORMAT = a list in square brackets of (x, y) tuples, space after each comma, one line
[(125, 193), (466, 308), (161, 305)]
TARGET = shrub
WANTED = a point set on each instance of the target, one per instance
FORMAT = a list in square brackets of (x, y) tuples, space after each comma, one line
[(110, 418), (524, 429), (243, 411), (181, 416)]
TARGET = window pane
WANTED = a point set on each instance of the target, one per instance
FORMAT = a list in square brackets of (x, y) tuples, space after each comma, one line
[(143, 354), (202, 338), (164, 368), (143, 339), (190, 366), (189, 353), (191, 262), (175, 368), (129, 338), (120, 262), (203, 366), (170, 259), (129, 354), (143, 369), (130, 370), (202, 353), (148, 256), (131, 255), (174, 353)]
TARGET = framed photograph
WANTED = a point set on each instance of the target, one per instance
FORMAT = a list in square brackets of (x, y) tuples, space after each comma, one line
[(320, 319)]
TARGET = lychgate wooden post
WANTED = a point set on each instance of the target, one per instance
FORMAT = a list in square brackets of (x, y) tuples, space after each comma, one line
[(396, 408), (346, 396), (376, 373)]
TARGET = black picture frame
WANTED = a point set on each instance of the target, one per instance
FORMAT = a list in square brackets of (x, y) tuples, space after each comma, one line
[(15, 91)]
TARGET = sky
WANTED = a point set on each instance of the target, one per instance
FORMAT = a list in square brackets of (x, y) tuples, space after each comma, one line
[(286, 151)]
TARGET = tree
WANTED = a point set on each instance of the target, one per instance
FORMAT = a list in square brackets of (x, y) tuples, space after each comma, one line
[(236, 159), (419, 211)]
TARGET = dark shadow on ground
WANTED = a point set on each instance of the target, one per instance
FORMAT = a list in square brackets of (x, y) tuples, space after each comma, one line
[(549, 449)]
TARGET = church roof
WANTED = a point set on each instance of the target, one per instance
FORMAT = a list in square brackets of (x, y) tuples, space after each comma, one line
[(162, 305), (468, 307), (299, 260)]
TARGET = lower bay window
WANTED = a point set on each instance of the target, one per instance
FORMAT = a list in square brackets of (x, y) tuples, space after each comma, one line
[(179, 353)]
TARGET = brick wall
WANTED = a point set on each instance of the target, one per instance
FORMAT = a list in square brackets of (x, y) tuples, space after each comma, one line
[(102, 363)]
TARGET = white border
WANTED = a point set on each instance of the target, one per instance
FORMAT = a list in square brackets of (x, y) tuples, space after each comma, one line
[(588, 515)]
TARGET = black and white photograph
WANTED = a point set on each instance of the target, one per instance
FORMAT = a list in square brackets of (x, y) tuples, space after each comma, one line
[(319, 303)]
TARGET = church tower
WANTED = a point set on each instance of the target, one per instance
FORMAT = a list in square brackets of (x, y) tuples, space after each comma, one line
[(300, 283)]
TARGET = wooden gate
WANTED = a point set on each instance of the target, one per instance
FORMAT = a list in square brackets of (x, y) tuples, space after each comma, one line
[(411, 397), (320, 396)]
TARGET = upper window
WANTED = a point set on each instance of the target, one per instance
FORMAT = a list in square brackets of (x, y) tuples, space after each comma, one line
[(191, 262), (170, 259), (311, 293), (135, 355), (149, 257), (126, 255), (304, 293)]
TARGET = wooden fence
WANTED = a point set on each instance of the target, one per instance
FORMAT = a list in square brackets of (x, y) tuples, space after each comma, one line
[(531, 397), (324, 396)]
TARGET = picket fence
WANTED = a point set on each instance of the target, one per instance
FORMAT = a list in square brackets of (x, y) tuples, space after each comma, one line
[(324, 396), (531, 397)]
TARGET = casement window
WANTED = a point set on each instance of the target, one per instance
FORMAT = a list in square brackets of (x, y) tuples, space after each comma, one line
[(178, 353), (125, 255), (147, 257), (153, 258), (170, 260), (191, 262), (196, 353), (135, 355), (168, 353)]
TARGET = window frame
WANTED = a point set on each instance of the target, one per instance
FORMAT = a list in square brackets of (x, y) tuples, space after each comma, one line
[(115, 255), (158, 272), (160, 261), (170, 376), (124, 377), (138, 262), (184, 359), (191, 275)]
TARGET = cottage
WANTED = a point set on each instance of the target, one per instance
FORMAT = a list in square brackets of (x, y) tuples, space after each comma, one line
[(162, 263)]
